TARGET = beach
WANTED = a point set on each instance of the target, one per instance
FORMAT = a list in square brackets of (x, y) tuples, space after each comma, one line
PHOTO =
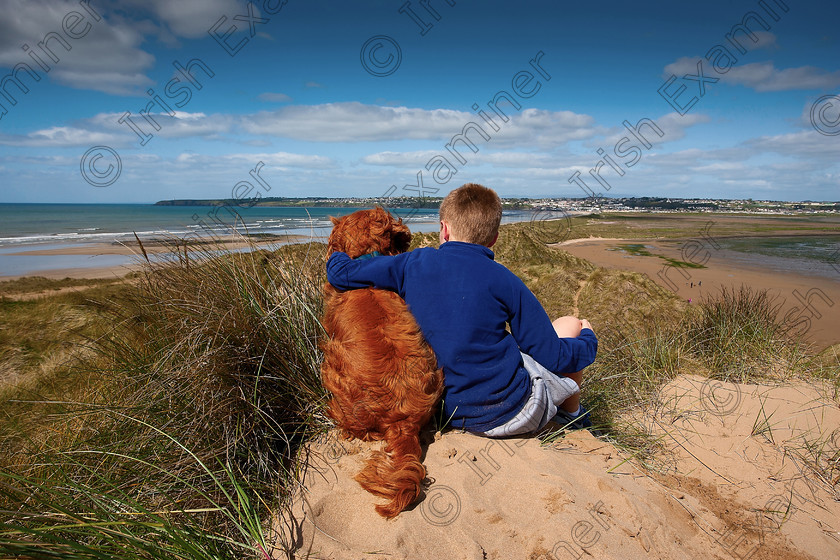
[(100, 240), (808, 300), (807, 292), (127, 256)]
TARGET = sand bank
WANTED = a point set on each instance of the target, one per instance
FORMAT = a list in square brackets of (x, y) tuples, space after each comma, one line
[(727, 493), (810, 299), (133, 256)]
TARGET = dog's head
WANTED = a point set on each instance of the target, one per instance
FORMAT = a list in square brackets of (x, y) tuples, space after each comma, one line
[(367, 231)]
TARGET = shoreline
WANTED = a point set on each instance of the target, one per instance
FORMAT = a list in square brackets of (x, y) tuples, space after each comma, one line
[(807, 300), (133, 253)]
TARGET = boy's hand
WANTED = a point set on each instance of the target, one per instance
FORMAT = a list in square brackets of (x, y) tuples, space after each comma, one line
[(584, 324)]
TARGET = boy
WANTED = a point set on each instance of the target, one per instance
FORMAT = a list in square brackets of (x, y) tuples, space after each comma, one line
[(497, 383)]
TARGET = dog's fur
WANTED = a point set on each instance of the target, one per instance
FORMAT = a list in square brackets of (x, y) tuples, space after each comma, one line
[(382, 375)]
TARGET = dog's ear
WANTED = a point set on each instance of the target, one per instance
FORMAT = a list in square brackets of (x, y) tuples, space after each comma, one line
[(334, 242), (392, 236), (351, 234), (400, 236)]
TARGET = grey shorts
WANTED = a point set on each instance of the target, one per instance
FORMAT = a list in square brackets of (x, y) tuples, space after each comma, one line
[(548, 391)]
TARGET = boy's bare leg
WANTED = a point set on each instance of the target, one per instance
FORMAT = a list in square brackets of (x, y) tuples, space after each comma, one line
[(572, 404), (570, 327), (567, 327)]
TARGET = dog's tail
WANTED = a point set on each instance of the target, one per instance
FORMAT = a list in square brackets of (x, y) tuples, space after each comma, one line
[(396, 473)]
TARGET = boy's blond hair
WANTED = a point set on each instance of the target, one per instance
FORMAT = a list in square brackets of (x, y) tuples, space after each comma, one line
[(473, 213)]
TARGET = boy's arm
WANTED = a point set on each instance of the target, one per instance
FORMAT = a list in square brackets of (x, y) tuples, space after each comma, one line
[(384, 272), (532, 329), (577, 353)]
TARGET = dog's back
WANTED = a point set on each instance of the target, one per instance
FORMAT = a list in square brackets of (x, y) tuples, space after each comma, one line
[(382, 375)]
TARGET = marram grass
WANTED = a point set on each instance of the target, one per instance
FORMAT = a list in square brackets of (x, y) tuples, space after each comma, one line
[(183, 443)]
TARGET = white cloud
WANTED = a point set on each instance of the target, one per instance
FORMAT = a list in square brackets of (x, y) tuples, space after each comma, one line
[(400, 159), (274, 97), (60, 136), (357, 122), (105, 128), (192, 18), (354, 122), (672, 126), (497, 159), (279, 159), (764, 76), (539, 126), (107, 58), (806, 144), (760, 76)]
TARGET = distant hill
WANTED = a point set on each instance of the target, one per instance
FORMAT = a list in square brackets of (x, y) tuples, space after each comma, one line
[(590, 204), (314, 202), (308, 202)]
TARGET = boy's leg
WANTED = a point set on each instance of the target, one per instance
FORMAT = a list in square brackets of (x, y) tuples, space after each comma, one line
[(569, 327), (572, 404)]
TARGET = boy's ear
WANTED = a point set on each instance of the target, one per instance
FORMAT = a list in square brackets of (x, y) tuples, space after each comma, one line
[(444, 231), (496, 238)]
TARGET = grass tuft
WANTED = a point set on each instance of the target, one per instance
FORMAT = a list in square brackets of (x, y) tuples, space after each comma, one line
[(738, 335)]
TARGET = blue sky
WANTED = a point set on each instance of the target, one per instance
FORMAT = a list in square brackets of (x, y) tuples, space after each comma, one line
[(295, 100)]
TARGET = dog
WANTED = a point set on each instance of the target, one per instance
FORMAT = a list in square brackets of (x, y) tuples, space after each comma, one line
[(383, 377)]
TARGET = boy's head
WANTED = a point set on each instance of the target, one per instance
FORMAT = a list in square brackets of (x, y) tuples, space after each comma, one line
[(471, 213)]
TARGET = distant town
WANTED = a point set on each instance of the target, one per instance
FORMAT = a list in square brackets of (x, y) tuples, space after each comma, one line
[(576, 205)]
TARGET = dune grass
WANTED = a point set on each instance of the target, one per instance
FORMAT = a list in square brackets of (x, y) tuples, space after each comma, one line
[(39, 284), (194, 402), (173, 427)]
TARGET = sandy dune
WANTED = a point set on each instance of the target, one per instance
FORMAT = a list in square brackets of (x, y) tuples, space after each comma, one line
[(728, 488)]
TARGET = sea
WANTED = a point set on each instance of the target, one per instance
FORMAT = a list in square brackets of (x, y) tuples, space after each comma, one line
[(28, 231), (32, 228)]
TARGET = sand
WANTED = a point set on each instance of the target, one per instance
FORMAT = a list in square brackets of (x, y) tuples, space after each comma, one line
[(151, 247), (819, 321), (130, 249), (725, 493)]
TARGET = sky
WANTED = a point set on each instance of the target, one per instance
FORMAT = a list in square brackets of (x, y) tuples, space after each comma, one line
[(135, 101)]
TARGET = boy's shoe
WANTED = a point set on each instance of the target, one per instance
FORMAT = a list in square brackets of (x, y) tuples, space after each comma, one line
[(579, 422)]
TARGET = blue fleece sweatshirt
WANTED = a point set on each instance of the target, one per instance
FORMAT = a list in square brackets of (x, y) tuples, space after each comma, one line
[(462, 300)]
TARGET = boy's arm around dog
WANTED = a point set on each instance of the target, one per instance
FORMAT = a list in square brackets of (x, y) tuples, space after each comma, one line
[(530, 325), (385, 272)]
